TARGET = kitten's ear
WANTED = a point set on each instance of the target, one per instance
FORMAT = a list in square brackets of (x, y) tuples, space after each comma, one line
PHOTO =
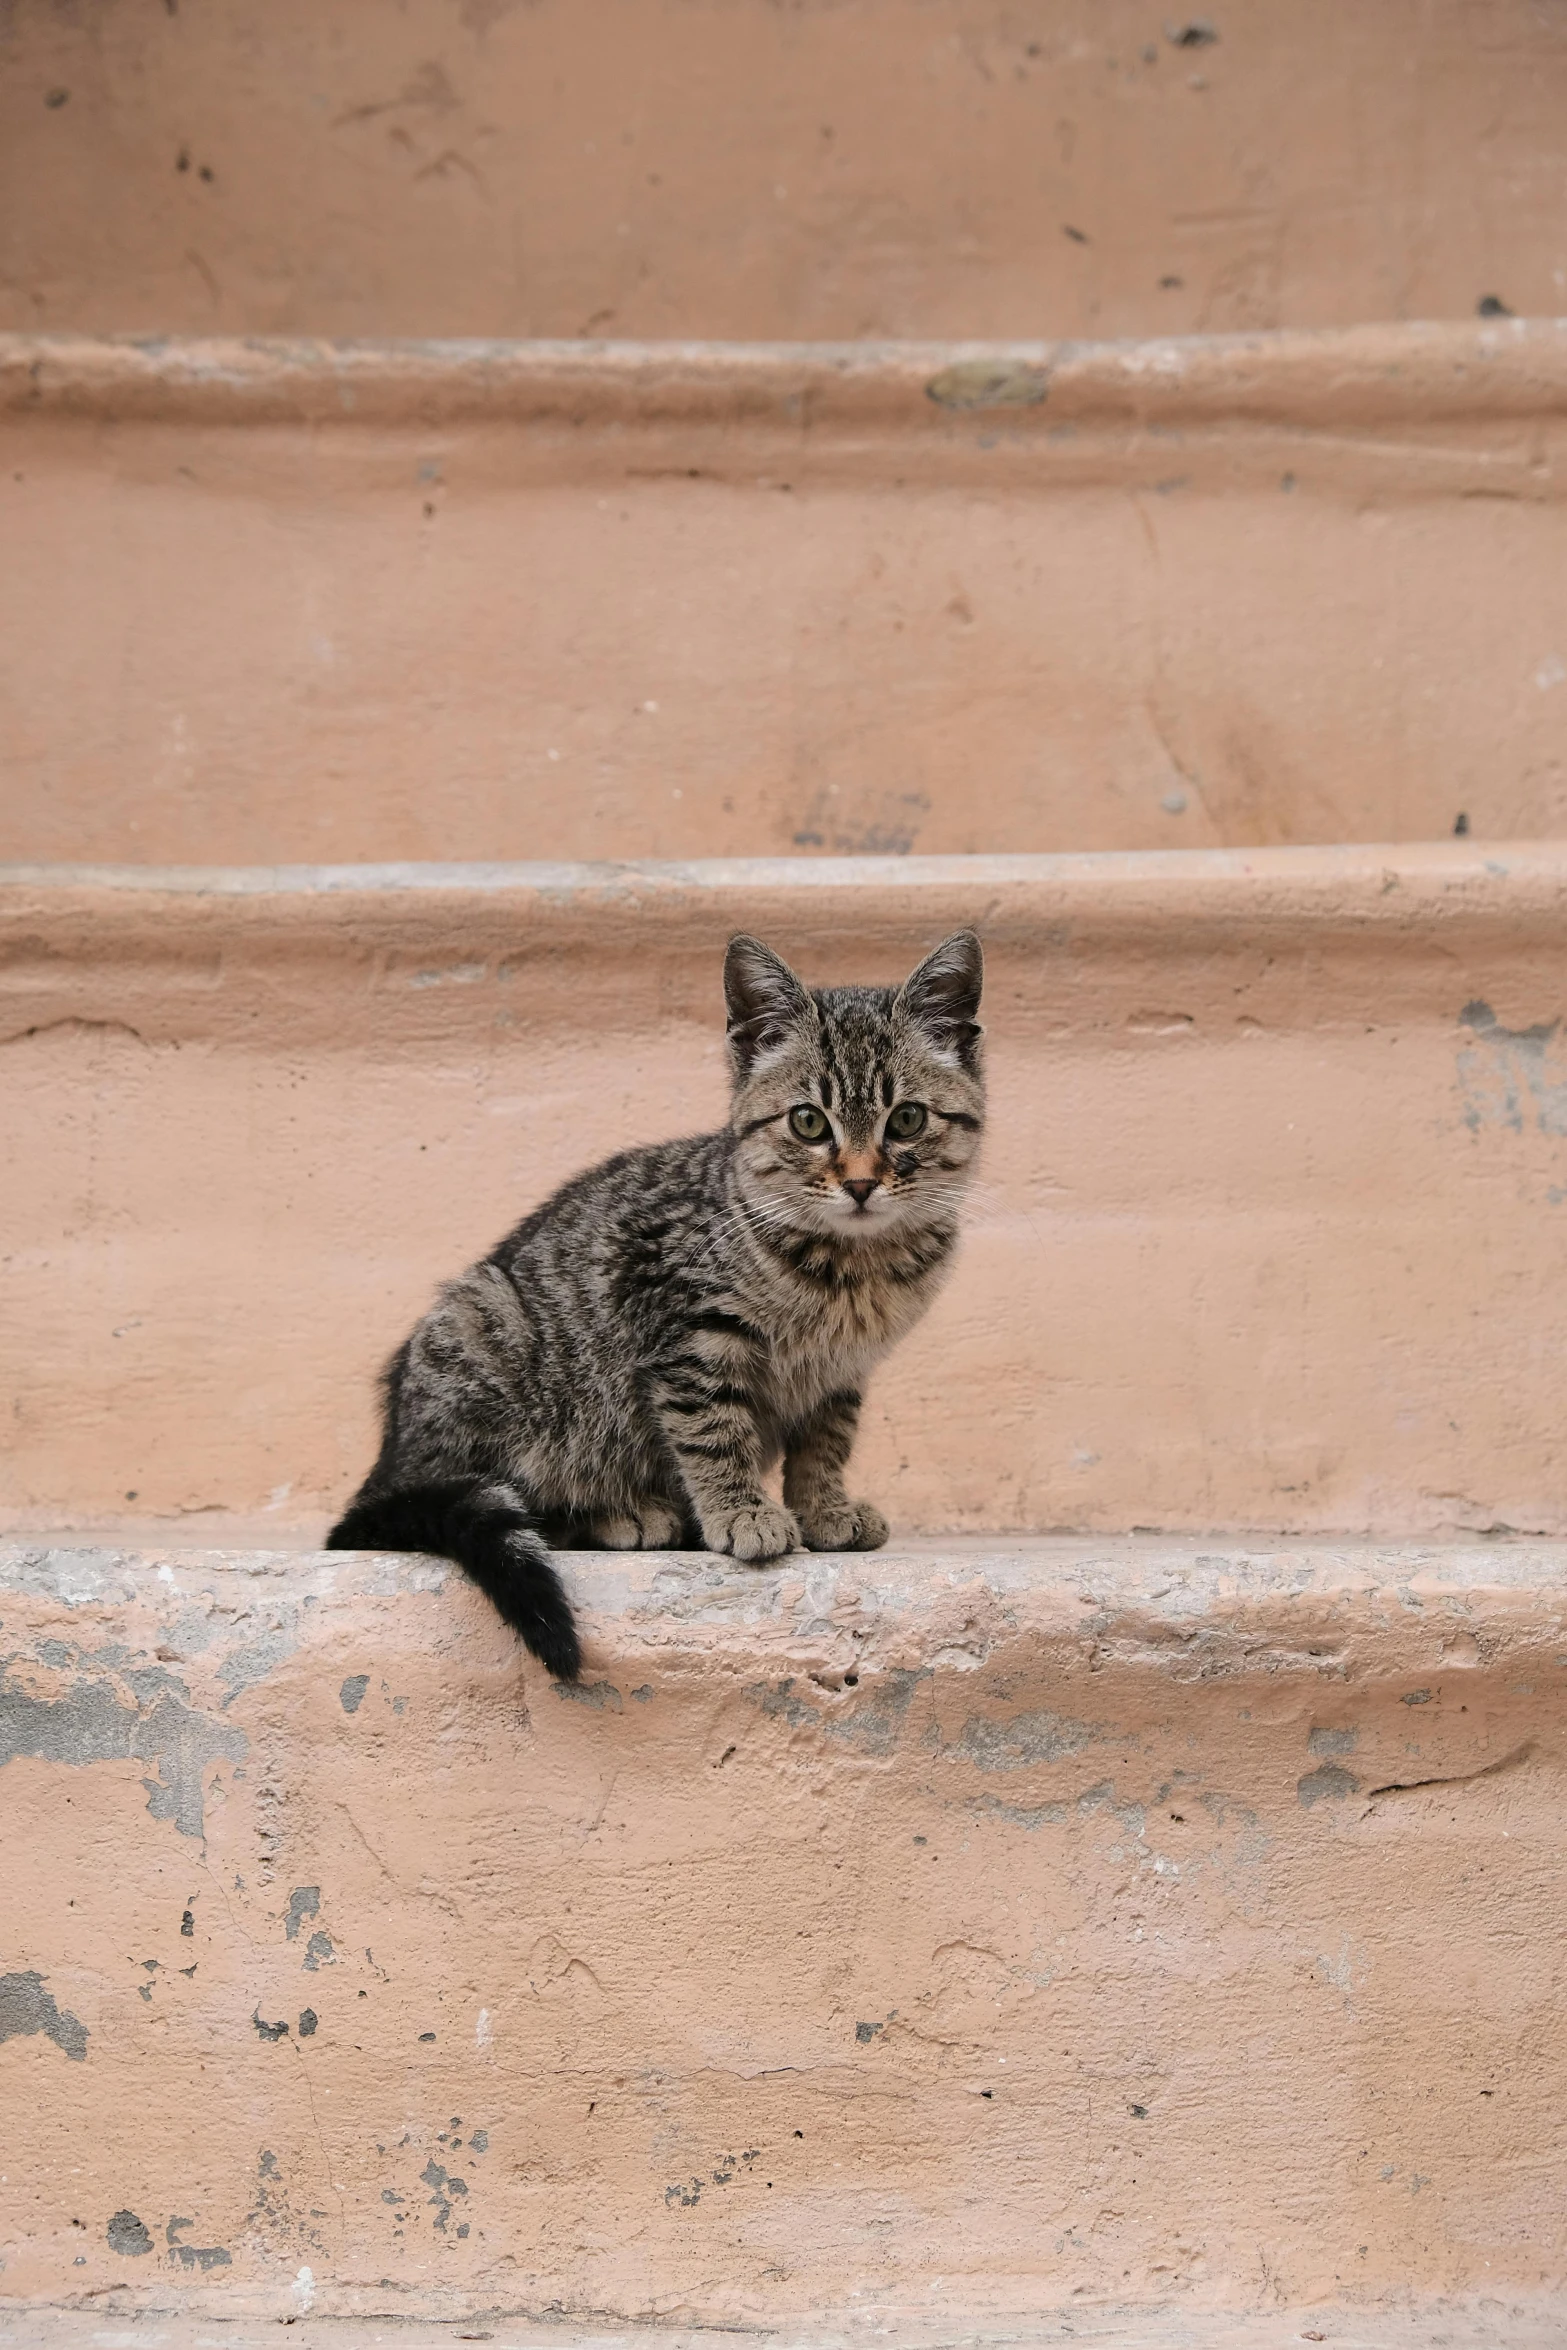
[(765, 1001), (942, 996)]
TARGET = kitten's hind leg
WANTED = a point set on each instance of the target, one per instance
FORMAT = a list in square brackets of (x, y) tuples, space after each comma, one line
[(814, 1461), (646, 1524)]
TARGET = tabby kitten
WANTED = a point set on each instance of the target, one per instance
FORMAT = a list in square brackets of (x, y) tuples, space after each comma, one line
[(629, 1363)]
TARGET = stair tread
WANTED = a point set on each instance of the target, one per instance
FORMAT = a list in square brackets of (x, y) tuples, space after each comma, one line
[(1176, 1575), (1435, 2322)]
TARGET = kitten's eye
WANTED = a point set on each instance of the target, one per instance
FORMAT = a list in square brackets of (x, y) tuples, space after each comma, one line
[(907, 1120), (809, 1123)]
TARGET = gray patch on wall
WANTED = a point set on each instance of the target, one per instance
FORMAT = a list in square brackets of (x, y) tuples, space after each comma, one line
[(26, 2007), (76, 1578), (202, 2256), (1133, 1817), (126, 2234), (352, 1694), (601, 1694), (1016, 1815), (255, 1658), (89, 1724), (184, 1742), (1330, 1783), (872, 1723), (304, 1902), (1503, 1074), (1027, 1738), (445, 2187), (887, 828)]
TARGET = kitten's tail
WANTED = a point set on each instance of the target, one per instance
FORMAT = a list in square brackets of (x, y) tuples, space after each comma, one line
[(489, 1532)]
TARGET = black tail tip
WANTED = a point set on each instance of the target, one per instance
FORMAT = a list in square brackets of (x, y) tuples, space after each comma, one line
[(495, 1546), (543, 1621), (557, 1648)]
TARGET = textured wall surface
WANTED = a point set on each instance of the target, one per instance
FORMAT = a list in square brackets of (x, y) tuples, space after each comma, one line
[(735, 168), (294, 604), (1271, 1195), (954, 1932)]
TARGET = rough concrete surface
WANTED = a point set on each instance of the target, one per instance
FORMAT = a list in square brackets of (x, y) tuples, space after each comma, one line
[(663, 167), (930, 1941), (1271, 1195), (303, 603), (1439, 2323)]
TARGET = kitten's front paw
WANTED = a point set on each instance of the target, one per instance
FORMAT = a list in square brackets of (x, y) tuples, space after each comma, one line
[(753, 1535), (647, 1525), (849, 1525)]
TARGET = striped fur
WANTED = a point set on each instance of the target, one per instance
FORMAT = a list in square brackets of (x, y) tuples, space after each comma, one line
[(630, 1363)]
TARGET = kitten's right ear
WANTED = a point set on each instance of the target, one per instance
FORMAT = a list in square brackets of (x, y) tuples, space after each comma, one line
[(766, 1002), (942, 996)]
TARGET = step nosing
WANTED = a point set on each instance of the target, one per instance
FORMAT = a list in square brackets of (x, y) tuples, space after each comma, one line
[(1414, 892), (1373, 372), (1336, 863)]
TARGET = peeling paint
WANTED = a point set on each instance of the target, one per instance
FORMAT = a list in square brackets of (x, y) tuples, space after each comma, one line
[(26, 2007), (126, 2234), (184, 1743), (1330, 1783), (202, 2256), (76, 1578), (1039, 1737), (1504, 1076), (1028, 1816), (254, 1659), (89, 1724), (871, 1722), (1133, 1817), (444, 2188), (602, 1695), (304, 1902)]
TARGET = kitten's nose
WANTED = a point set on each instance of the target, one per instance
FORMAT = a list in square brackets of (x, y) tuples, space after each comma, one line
[(860, 1188)]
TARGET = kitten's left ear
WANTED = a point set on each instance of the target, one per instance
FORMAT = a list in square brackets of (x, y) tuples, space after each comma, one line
[(942, 996)]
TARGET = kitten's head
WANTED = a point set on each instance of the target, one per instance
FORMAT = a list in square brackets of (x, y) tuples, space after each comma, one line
[(858, 1109)]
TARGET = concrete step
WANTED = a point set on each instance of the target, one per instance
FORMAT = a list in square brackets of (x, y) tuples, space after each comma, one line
[(941, 1942), (1271, 1200), (301, 602), (649, 168)]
